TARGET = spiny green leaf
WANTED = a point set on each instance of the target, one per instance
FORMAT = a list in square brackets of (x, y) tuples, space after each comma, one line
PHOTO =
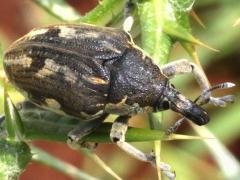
[(13, 120), (182, 5), (154, 40), (197, 19), (14, 156), (105, 12), (51, 126), (176, 30), (8, 118)]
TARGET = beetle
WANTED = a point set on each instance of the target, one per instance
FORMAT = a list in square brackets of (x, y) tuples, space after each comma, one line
[(89, 72)]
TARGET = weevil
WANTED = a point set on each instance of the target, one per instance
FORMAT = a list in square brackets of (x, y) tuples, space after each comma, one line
[(90, 72)]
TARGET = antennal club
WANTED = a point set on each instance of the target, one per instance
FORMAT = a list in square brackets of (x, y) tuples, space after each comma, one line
[(205, 96)]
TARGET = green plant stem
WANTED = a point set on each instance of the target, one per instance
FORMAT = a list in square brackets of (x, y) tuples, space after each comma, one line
[(154, 40), (158, 44), (101, 135), (47, 125)]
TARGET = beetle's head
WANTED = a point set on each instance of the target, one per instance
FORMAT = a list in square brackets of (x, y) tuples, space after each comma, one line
[(172, 99)]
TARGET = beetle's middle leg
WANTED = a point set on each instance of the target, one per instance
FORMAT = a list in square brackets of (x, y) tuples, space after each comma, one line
[(75, 136), (183, 66), (117, 135)]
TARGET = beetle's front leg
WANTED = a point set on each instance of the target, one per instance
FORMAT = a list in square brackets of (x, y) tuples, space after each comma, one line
[(75, 136), (117, 135), (183, 66)]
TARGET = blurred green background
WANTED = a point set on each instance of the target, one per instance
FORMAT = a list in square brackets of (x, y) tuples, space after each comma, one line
[(190, 159)]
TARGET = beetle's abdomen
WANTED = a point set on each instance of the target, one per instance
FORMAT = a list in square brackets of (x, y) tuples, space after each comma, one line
[(59, 78)]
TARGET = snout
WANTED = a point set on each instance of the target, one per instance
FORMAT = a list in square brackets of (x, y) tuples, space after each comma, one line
[(198, 115), (184, 106), (191, 111)]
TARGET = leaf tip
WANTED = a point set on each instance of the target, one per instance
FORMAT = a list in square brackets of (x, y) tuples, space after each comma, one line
[(198, 42)]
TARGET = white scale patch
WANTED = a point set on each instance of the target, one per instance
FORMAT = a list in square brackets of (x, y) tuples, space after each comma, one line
[(90, 34), (70, 32), (47, 70), (23, 61), (36, 32), (51, 67), (52, 103), (66, 32), (181, 97), (186, 104), (109, 46)]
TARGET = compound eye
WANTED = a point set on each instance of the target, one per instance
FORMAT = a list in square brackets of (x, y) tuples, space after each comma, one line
[(165, 105)]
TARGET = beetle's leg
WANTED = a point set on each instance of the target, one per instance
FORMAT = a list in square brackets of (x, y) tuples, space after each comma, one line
[(175, 126), (128, 22), (184, 66), (205, 93), (75, 136), (117, 135)]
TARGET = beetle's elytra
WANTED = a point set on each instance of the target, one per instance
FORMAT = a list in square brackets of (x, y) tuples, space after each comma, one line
[(79, 70)]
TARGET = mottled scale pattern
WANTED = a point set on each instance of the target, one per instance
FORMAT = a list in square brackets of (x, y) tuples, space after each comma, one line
[(62, 66), (92, 41)]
